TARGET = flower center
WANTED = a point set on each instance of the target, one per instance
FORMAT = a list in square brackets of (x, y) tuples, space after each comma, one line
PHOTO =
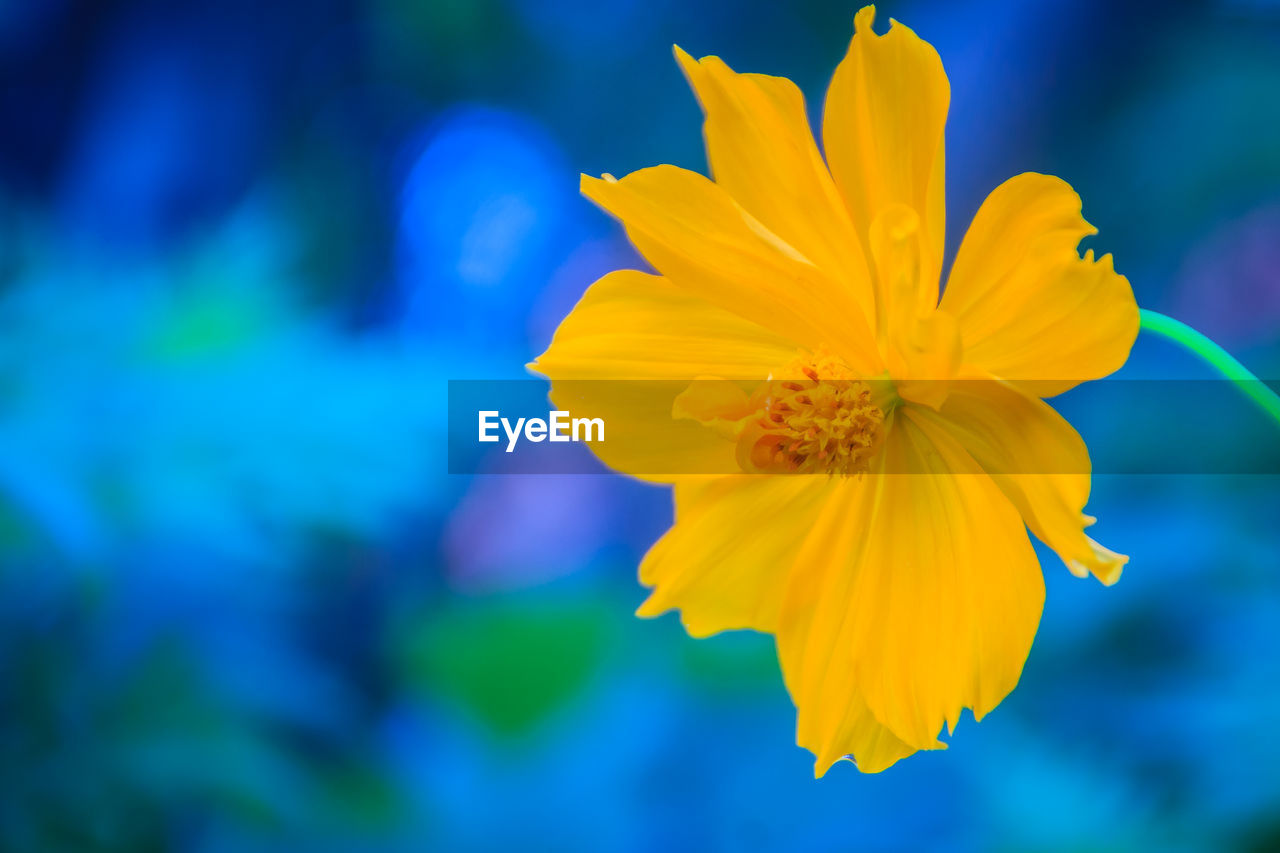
[(818, 418)]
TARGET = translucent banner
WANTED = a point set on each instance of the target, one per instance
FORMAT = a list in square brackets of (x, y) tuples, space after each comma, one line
[(660, 429)]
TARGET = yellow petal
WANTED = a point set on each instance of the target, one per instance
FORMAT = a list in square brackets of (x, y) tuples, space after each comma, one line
[(634, 326), (762, 151), (726, 561), (1026, 209), (705, 243), (1040, 463), (925, 361), (716, 404), (882, 132), (921, 343), (832, 719), (930, 594), (1029, 307)]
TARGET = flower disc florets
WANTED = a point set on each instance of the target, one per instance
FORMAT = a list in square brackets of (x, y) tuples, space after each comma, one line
[(818, 419)]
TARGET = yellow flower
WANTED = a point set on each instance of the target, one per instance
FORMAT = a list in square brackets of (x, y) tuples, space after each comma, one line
[(899, 580)]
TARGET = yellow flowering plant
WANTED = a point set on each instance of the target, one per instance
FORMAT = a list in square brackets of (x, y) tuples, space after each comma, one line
[(898, 577)]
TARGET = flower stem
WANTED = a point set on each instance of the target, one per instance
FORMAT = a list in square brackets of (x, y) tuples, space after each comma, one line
[(1216, 356)]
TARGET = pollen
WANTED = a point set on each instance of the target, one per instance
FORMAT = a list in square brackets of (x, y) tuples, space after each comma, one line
[(818, 417)]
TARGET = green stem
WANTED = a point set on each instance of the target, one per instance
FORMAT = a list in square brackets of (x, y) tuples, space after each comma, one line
[(1219, 358)]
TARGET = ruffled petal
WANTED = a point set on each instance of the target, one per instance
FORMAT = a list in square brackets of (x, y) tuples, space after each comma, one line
[(705, 243), (882, 132), (1030, 308), (832, 719), (928, 592), (726, 561), (635, 326), (1040, 463), (762, 151)]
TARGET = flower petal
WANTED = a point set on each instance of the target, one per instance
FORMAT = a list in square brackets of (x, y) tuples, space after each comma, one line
[(726, 561), (921, 344), (929, 593), (1026, 209), (635, 326), (832, 719), (882, 132), (762, 151), (1029, 307), (705, 243), (1040, 463)]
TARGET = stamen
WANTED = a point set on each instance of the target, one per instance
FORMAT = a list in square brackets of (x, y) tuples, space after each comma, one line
[(829, 426)]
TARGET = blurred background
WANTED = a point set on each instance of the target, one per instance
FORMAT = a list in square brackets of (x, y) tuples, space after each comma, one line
[(243, 245)]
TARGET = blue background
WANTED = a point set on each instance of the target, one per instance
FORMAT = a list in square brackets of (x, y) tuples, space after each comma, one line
[(243, 607)]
